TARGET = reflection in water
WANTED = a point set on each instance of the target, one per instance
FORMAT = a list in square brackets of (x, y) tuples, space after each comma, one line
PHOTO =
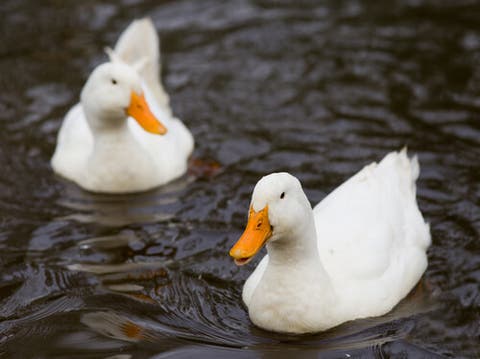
[(105, 242), (115, 326), (121, 210), (162, 325), (109, 268), (317, 90), (356, 335)]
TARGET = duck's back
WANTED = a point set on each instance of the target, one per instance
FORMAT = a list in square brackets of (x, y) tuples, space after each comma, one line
[(372, 238)]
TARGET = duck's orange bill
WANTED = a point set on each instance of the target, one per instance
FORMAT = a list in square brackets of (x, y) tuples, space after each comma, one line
[(258, 231), (140, 111)]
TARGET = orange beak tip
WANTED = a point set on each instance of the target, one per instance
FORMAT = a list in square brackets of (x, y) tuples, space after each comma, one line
[(233, 253), (257, 232), (139, 110)]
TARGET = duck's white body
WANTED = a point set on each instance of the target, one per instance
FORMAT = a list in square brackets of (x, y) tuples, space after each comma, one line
[(357, 254), (125, 158)]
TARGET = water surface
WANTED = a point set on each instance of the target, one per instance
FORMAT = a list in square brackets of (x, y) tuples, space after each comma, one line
[(319, 89)]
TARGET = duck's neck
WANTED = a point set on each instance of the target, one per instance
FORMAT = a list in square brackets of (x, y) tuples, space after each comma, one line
[(111, 135), (295, 293), (298, 246)]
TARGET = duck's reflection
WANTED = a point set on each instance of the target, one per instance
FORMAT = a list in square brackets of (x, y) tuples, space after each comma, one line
[(121, 210), (352, 336), (116, 326), (123, 239), (118, 210)]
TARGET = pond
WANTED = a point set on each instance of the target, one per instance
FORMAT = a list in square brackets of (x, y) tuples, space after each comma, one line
[(315, 88)]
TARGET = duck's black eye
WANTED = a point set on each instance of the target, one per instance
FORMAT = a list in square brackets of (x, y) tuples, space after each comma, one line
[(114, 81), (282, 195)]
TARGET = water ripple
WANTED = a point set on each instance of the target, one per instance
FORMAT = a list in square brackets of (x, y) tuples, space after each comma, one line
[(318, 90)]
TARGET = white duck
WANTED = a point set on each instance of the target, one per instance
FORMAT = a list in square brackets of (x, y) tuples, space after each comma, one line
[(356, 255), (100, 147)]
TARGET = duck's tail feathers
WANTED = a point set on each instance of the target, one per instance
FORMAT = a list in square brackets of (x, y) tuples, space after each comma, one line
[(422, 235), (414, 172), (411, 165), (139, 46)]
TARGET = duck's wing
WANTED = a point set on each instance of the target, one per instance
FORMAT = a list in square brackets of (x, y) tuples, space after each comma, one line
[(371, 234), (140, 43), (74, 144)]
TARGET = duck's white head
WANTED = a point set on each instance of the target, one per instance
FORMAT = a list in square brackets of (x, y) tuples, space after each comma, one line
[(112, 93), (278, 211)]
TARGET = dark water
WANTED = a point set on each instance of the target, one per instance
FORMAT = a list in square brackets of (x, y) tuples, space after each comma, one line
[(318, 89)]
